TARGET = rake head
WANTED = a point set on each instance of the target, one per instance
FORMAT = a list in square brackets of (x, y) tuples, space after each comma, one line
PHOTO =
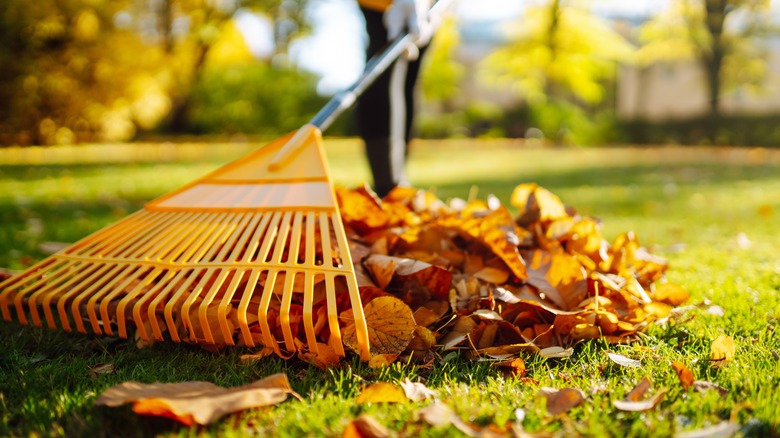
[(244, 255)]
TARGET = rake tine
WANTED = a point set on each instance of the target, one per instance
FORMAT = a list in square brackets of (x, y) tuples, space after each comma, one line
[(136, 310), (194, 295), (284, 312), (308, 318), (108, 298), (224, 305), (45, 284), (203, 307), (169, 306), (262, 312), (63, 301), (18, 297), (354, 295), (333, 315), (244, 305), (85, 269), (151, 310)]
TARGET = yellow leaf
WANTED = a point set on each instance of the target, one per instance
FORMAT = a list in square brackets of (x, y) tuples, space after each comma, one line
[(390, 326), (382, 392), (196, 402), (671, 294), (722, 351)]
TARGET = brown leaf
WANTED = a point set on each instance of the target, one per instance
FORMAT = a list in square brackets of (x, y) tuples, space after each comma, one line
[(704, 386), (562, 400), (382, 392), (365, 426), (401, 275), (390, 326), (463, 327), (634, 402), (381, 360), (722, 351), (98, 370), (559, 276), (416, 391), (684, 374), (196, 402), (639, 390)]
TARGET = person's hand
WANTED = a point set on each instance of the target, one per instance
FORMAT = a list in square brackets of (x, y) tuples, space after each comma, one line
[(409, 15)]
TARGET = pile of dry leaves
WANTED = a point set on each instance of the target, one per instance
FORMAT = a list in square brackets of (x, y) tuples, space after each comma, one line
[(437, 276)]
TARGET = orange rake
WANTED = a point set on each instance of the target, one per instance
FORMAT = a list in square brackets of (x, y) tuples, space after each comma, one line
[(220, 253), (254, 250)]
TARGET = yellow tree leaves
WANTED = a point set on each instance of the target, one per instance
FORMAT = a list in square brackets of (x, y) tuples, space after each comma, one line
[(196, 402)]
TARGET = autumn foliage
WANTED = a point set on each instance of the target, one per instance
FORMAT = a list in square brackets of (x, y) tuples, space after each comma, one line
[(472, 276)]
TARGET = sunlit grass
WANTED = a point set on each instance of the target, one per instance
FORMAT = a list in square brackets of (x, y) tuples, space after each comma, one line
[(711, 212)]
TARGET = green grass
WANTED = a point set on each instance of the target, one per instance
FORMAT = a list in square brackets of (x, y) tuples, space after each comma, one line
[(711, 211)]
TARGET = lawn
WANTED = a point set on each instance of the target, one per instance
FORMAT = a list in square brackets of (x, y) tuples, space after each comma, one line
[(712, 212)]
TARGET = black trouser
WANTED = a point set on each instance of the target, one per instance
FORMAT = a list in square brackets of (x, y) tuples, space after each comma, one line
[(373, 112)]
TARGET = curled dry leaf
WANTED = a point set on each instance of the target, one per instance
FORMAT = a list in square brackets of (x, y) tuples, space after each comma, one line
[(365, 426), (634, 401), (556, 352), (722, 429), (381, 392), (624, 361), (560, 401), (196, 402), (684, 374), (440, 415), (416, 391), (98, 370), (390, 326), (704, 386), (722, 351)]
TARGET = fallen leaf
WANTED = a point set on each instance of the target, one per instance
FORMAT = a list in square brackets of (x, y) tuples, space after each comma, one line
[(365, 426), (381, 360), (98, 370), (463, 326), (722, 429), (639, 390), (556, 352), (624, 361), (562, 400), (438, 414), (704, 386), (416, 391), (641, 405), (722, 351), (671, 294), (259, 354), (633, 401), (684, 374), (390, 326), (196, 402), (324, 358), (381, 392), (515, 366)]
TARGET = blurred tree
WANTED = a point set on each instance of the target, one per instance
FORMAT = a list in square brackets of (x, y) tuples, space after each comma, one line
[(188, 29), (80, 70), (69, 73), (558, 58), (724, 36)]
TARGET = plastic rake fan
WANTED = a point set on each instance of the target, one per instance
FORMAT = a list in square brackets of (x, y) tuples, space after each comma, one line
[(227, 254)]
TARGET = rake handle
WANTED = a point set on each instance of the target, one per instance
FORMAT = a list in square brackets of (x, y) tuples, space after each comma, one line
[(344, 100)]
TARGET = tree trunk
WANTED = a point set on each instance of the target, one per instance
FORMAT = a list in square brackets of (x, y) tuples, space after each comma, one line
[(712, 59)]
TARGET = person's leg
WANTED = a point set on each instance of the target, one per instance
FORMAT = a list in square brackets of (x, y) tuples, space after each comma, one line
[(374, 115)]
